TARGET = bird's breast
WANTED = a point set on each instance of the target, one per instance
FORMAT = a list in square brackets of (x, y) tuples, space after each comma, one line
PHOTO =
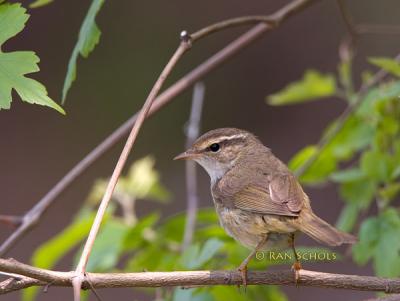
[(248, 228)]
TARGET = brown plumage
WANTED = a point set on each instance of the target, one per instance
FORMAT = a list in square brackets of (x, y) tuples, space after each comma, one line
[(259, 201)]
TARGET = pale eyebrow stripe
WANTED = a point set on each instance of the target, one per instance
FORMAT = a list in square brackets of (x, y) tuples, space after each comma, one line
[(236, 136), (219, 139)]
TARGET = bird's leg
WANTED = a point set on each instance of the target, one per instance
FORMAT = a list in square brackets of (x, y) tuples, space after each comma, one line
[(296, 265), (243, 266)]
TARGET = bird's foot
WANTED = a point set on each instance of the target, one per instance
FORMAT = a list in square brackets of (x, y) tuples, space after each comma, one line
[(242, 269), (296, 267)]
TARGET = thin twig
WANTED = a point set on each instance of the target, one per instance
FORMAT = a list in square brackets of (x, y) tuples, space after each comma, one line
[(32, 217), (199, 278), (347, 20), (356, 30), (10, 275), (245, 20), (192, 132), (359, 29), (93, 289), (341, 120), (377, 29), (11, 220), (81, 268), (10, 285)]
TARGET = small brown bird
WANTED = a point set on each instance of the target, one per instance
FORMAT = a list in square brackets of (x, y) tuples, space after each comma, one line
[(259, 201)]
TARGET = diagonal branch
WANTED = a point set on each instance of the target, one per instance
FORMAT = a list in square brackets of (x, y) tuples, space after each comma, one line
[(81, 268), (32, 217), (39, 277)]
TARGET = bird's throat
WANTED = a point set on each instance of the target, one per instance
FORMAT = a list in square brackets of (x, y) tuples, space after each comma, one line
[(215, 169)]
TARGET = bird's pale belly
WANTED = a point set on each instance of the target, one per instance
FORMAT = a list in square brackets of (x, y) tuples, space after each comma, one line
[(248, 228)]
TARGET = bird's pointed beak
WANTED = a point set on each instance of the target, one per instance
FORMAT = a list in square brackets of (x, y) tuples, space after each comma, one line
[(189, 154)]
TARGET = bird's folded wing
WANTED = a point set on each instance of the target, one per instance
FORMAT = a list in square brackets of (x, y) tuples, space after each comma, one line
[(282, 196)]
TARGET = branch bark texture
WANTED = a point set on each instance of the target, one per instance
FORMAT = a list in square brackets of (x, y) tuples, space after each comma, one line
[(31, 276)]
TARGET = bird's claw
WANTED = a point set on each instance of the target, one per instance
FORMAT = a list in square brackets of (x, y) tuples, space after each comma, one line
[(243, 273), (296, 267)]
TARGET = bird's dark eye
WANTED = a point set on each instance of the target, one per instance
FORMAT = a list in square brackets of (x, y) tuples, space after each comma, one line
[(214, 147)]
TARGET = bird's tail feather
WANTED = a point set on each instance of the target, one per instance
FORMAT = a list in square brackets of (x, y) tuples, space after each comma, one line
[(323, 232)]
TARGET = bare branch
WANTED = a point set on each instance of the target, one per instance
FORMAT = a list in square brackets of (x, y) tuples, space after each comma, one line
[(356, 30), (11, 284), (81, 268), (32, 217), (347, 20), (350, 109), (245, 20), (192, 132), (196, 278), (11, 220)]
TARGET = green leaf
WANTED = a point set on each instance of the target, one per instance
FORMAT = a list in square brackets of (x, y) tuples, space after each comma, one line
[(107, 247), (190, 255), (15, 65), (387, 259), (354, 135), (194, 258), (377, 242), (389, 125), (384, 92), (312, 86), (49, 253), (89, 36), (322, 167), (12, 20), (389, 191), (40, 3), (302, 157), (376, 165), (182, 294), (142, 181), (388, 64), (360, 192), (210, 248), (396, 173), (348, 217), (139, 233), (223, 293), (368, 240), (347, 175)]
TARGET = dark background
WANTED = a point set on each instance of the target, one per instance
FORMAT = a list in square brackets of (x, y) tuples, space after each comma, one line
[(38, 146)]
